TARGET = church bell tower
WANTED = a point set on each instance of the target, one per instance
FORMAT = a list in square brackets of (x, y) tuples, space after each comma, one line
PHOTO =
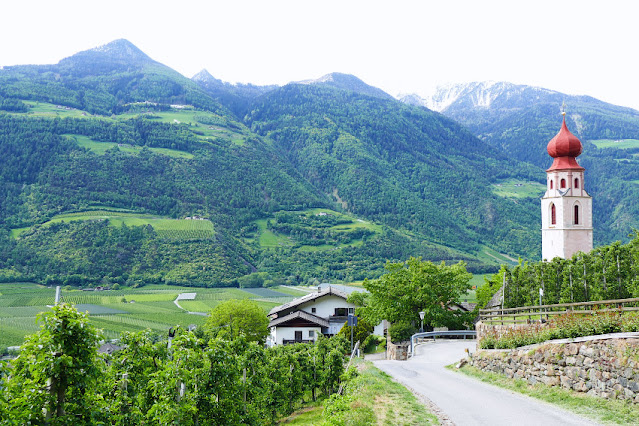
[(566, 207)]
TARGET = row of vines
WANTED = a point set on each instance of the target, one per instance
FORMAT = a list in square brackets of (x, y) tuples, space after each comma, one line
[(59, 378), (606, 273)]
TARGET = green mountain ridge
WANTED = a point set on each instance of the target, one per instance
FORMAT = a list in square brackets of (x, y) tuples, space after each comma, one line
[(259, 163)]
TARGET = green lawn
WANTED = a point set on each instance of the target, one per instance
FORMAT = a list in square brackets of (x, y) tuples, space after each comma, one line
[(518, 189), (43, 109), (616, 143), (171, 229), (204, 124), (372, 398), (101, 148), (269, 239)]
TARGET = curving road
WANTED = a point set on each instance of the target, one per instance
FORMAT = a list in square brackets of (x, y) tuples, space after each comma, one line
[(466, 401)]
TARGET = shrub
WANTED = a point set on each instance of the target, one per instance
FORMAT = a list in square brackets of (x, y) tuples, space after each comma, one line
[(401, 331)]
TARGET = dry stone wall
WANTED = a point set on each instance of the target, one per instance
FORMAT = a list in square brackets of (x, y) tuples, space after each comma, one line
[(608, 368)]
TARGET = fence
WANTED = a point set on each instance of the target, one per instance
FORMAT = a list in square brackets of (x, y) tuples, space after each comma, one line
[(528, 314)]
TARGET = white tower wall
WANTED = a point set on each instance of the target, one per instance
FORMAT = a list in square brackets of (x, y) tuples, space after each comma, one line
[(569, 234)]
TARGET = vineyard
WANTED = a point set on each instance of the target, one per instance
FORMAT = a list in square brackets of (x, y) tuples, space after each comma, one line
[(606, 273), (115, 311)]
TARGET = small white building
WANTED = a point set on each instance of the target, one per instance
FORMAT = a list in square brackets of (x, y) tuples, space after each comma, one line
[(304, 319)]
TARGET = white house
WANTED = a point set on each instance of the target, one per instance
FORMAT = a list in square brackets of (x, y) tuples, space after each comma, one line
[(304, 319)]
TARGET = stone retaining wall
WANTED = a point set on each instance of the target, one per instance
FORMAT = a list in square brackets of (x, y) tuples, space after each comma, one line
[(605, 368)]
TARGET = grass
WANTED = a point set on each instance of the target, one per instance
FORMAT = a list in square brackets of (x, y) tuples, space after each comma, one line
[(616, 143), (43, 109), (204, 124), (113, 311), (269, 239), (599, 409), (489, 255), (513, 188), (170, 229), (371, 398), (101, 148), (476, 281)]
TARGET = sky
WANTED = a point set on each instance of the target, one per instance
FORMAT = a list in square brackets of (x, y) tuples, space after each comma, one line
[(575, 47)]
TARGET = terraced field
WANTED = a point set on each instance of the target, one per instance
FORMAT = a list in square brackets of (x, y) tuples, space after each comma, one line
[(169, 229), (115, 311)]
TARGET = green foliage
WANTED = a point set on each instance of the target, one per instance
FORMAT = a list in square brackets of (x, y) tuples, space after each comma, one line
[(53, 377), (361, 331), (148, 381), (413, 286), (401, 331), (235, 318), (563, 326), (606, 273)]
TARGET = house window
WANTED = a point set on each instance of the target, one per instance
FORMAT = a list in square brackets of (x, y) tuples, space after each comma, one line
[(341, 312), (311, 334), (313, 310), (576, 182), (553, 215), (576, 215), (563, 183), (298, 336), (351, 310), (551, 184)]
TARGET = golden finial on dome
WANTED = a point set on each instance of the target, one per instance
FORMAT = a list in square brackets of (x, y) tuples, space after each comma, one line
[(563, 108)]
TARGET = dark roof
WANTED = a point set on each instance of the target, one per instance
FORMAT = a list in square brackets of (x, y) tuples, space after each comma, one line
[(308, 298), (299, 314), (109, 348)]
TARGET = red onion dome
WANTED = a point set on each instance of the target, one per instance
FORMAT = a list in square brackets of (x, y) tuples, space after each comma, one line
[(564, 144)]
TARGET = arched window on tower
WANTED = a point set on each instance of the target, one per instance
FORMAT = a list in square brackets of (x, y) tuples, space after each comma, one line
[(553, 215), (563, 183), (576, 214), (577, 183), (550, 183)]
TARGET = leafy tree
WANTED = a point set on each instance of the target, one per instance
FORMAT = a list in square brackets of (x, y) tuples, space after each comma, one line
[(361, 331), (413, 286), (233, 318), (53, 378)]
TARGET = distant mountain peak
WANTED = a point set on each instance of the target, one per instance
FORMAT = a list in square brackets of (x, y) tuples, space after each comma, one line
[(204, 76), (120, 51), (347, 82), (477, 94)]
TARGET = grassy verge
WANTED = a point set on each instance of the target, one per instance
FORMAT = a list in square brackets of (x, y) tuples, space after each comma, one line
[(370, 398), (599, 409)]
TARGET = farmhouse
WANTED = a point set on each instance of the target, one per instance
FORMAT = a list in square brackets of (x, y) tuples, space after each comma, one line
[(304, 319)]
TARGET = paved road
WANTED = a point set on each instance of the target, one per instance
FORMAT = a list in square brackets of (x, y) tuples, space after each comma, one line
[(466, 401)]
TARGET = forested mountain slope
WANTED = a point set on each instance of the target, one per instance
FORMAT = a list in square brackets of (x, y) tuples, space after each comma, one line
[(522, 119), (404, 166), (115, 168)]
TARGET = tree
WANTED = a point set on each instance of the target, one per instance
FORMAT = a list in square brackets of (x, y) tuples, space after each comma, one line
[(234, 317), (413, 286), (53, 378)]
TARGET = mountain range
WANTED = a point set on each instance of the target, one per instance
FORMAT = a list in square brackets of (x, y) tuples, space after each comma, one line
[(116, 168)]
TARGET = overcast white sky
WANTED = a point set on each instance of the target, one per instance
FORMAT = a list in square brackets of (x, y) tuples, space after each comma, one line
[(575, 47)]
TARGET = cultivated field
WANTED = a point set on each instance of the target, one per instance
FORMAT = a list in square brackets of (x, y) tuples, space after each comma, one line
[(518, 189), (115, 311), (101, 148), (170, 229)]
